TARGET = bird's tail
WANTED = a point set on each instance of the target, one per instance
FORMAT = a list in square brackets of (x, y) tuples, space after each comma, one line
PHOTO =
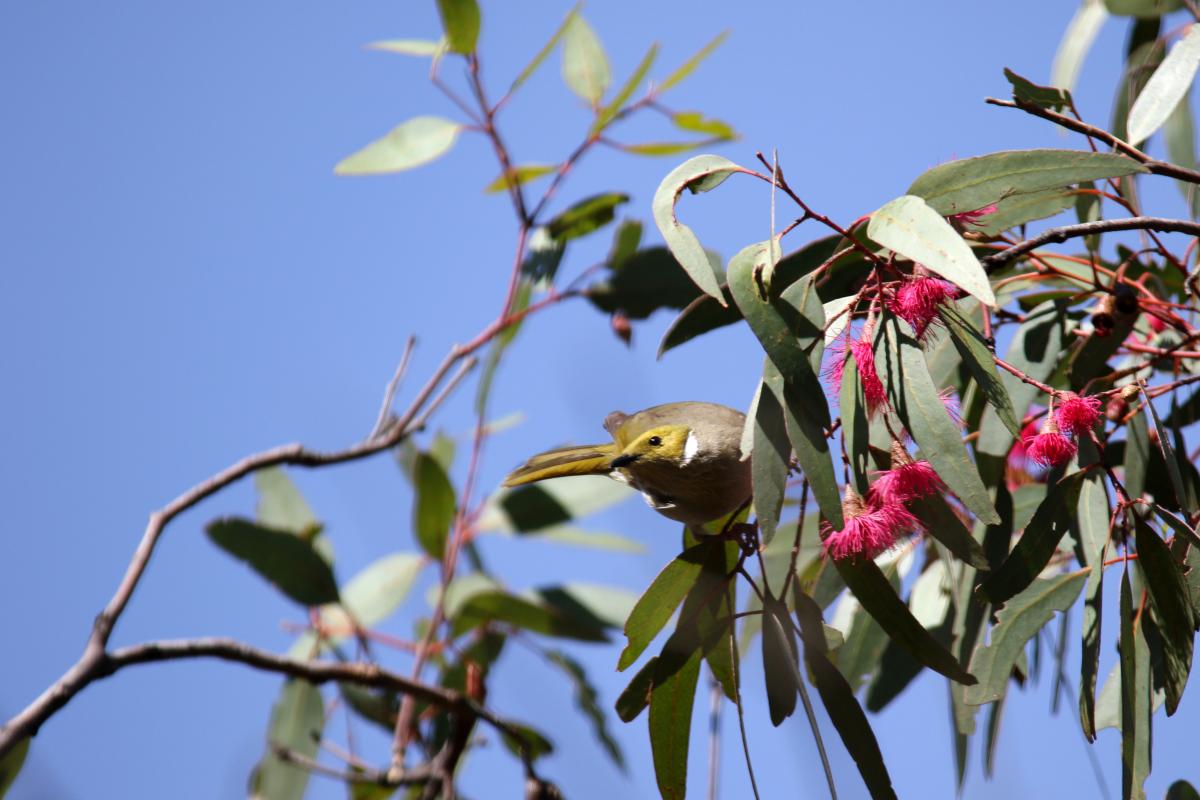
[(594, 459)]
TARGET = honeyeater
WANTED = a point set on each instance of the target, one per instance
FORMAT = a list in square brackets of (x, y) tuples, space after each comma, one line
[(685, 459)]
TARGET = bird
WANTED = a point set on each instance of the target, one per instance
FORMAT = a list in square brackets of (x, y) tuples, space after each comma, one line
[(685, 459)]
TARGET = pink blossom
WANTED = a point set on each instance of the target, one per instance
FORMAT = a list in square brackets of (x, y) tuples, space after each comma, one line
[(916, 302), (1077, 414), (1049, 448), (972, 217), (899, 520), (864, 360), (865, 532), (904, 482)]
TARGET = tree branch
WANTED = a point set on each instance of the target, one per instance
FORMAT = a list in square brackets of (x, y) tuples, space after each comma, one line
[(994, 261)]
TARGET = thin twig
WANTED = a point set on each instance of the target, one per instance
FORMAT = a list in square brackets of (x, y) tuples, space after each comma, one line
[(714, 738), (994, 261), (737, 699), (389, 395)]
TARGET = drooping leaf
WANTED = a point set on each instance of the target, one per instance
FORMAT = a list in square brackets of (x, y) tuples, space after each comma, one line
[(280, 504), (536, 617), (780, 657), (661, 599), (1142, 8), (1091, 525), (1181, 790), (1145, 50), (281, 557), (585, 216), (689, 66), (421, 48), (701, 173), (540, 265), (435, 506), (636, 696), (769, 462), (672, 695), (1037, 544), (297, 720), (911, 393), (913, 229), (374, 593), (587, 700), (610, 111), (460, 20), (698, 317), (1165, 448), (974, 183), (977, 356), (1137, 455), (695, 122), (532, 743), (410, 144), (1170, 598), (877, 596), (1043, 96), (945, 526), (1166, 87), (646, 281), (536, 507), (1135, 699), (865, 639), (519, 174), (1180, 135), (1076, 42), (10, 765), (585, 67), (626, 239), (542, 54), (1019, 621)]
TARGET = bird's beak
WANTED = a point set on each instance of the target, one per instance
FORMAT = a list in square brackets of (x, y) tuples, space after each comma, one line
[(623, 460)]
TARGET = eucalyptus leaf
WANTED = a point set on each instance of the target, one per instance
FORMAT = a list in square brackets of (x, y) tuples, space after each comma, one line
[(421, 48), (460, 20), (410, 144), (610, 111), (978, 357), (542, 54), (660, 600), (1169, 597), (1166, 87), (297, 720), (585, 66), (11, 763), (435, 505), (689, 66), (281, 557), (519, 175), (1076, 41)]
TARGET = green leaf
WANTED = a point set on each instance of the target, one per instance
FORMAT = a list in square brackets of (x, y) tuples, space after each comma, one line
[(698, 317), (696, 122), (1135, 699), (540, 265), (374, 593), (421, 48), (1043, 96), (539, 506), (460, 20), (648, 280), (1092, 517), (911, 393), (587, 701), (499, 606), (532, 743), (700, 173), (768, 461), (656, 149), (1018, 622), (660, 600), (284, 559), (10, 765), (1020, 209), (1137, 455), (1037, 544), (1167, 451), (1181, 790), (839, 701), (541, 55), (973, 183), (626, 239), (1145, 50), (875, 593), (1076, 41), (856, 427), (519, 175), (585, 216), (435, 506), (410, 144), (780, 658), (584, 65), (977, 356), (1180, 135), (636, 696), (1169, 597), (1166, 87), (379, 707), (945, 526), (916, 231), (280, 504), (865, 639), (672, 695), (297, 720), (610, 111), (689, 66), (1142, 8)]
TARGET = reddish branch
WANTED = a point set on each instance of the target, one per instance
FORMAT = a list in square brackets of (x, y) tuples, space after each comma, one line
[(1061, 234)]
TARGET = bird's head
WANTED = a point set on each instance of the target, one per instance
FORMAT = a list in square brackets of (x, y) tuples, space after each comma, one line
[(666, 444)]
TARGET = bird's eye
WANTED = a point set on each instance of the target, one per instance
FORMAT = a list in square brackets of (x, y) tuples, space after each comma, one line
[(654, 441)]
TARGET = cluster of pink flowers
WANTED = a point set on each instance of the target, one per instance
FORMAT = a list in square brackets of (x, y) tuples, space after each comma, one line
[(863, 352), (1054, 444), (872, 526), (916, 302)]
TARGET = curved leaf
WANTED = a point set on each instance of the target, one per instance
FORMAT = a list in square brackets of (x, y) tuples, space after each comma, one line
[(700, 173), (284, 559), (672, 695), (1076, 41), (541, 55), (1169, 597), (410, 144), (913, 229), (1166, 87), (977, 356), (584, 65), (610, 111), (660, 600), (689, 66), (768, 461)]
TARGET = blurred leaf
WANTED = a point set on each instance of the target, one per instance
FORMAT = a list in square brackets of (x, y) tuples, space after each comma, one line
[(297, 720), (1166, 87), (1180, 135), (541, 55), (1142, 8), (410, 144), (912, 395), (543, 254), (497, 605), (580, 537), (370, 791), (374, 705), (698, 317), (460, 20), (875, 593), (536, 507), (1012, 212), (1018, 622), (1181, 790), (913, 229), (646, 281), (584, 65), (1076, 41), (597, 605), (1037, 544), (672, 695), (1092, 517), (1043, 96), (944, 525), (636, 696), (1169, 596), (587, 701), (280, 504), (610, 111), (656, 149), (535, 268), (1090, 358), (660, 600), (977, 356), (1165, 448), (696, 122), (700, 173), (1144, 52), (284, 559), (518, 175), (374, 593), (780, 658), (839, 701), (532, 740), (626, 239), (585, 216), (422, 48), (11, 763), (974, 183), (689, 66), (435, 506)]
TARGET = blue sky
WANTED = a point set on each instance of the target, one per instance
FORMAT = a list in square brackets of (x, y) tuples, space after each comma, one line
[(185, 281)]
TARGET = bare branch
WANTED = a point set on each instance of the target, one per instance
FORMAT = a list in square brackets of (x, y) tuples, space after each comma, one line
[(1056, 235), (389, 396)]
